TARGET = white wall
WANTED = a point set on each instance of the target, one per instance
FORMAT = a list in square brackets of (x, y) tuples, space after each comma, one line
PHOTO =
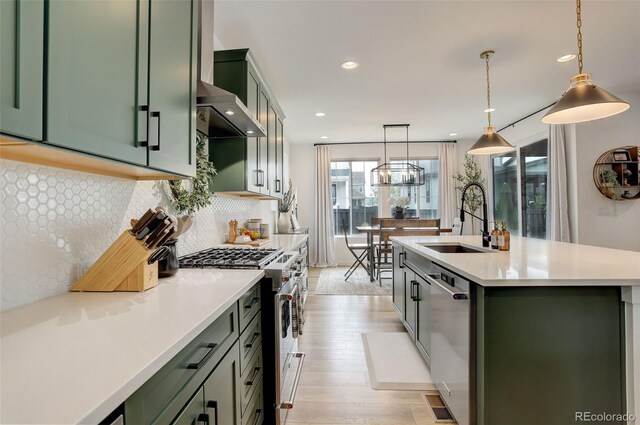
[(598, 222)]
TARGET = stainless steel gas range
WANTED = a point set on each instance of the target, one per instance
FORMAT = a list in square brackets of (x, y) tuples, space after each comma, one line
[(283, 293)]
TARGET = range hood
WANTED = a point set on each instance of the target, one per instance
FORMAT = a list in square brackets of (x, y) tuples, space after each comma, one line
[(220, 113)]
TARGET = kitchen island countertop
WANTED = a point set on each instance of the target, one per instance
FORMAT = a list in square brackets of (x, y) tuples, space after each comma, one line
[(75, 357), (533, 262)]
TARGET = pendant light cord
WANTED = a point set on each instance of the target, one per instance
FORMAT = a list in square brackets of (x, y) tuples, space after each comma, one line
[(489, 90), (579, 23)]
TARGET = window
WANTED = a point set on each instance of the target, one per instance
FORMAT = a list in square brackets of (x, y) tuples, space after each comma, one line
[(354, 201), (527, 183), (424, 199)]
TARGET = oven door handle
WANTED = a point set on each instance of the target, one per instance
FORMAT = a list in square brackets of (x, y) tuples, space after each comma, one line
[(292, 397), (289, 296)]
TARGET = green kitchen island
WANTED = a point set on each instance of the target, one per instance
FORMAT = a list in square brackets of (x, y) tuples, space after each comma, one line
[(542, 334)]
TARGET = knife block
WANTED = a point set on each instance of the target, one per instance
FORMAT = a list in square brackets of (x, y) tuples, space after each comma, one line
[(122, 267)]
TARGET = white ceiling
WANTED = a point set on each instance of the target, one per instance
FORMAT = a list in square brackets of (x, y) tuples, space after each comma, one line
[(419, 60)]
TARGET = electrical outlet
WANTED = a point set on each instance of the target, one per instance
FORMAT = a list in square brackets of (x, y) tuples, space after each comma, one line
[(607, 210), (80, 269)]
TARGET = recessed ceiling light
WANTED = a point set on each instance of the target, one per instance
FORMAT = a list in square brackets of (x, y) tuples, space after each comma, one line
[(490, 110), (320, 114), (453, 134), (249, 131), (324, 137), (349, 65), (229, 112), (566, 58)]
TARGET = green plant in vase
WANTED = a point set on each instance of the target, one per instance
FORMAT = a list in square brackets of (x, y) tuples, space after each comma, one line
[(473, 197)]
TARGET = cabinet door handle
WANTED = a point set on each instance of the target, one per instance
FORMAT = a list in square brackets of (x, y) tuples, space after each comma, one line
[(253, 377), (144, 143), (417, 285), (258, 415), (414, 293), (212, 404), (249, 344), (212, 349), (203, 418), (277, 185), (401, 257), (254, 301), (156, 114)]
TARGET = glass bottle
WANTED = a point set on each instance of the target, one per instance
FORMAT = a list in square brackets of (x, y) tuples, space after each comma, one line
[(494, 235), (506, 244), (500, 226)]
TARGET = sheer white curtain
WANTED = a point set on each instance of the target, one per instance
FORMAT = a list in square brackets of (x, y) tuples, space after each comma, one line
[(446, 186), (323, 248), (558, 228)]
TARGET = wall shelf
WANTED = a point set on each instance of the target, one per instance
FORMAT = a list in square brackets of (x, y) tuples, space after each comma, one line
[(627, 185)]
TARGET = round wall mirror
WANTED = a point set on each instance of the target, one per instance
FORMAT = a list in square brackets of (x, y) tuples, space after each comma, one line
[(616, 173)]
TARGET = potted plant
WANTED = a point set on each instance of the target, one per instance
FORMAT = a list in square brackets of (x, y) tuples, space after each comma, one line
[(473, 197), (285, 205), (610, 182), (400, 204)]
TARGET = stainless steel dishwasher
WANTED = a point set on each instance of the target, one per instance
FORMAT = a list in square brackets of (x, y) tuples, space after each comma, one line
[(450, 340)]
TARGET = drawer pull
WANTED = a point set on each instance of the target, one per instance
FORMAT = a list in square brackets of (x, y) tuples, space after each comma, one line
[(251, 380), (203, 418), (254, 301), (258, 416), (212, 346), (211, 404), (249, 344)]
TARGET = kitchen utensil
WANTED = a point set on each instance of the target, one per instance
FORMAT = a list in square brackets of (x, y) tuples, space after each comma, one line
[(140, 223), (164, 238), (169, 265), (159, 254), (155, 221), (233, 231)]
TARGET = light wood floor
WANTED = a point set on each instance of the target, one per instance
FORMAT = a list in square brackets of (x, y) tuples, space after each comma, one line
[(334, 385)]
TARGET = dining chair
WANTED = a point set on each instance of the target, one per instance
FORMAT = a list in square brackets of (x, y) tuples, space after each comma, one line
[(358, 250), (397, 227)]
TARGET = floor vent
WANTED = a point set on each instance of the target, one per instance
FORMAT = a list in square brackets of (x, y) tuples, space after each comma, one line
[(437, 408)]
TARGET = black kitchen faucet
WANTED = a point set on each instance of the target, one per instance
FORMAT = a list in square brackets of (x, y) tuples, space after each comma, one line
[(485, 220)]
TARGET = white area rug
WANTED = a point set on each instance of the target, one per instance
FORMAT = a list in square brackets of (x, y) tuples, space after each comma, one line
[(394, 362), (331, 282)]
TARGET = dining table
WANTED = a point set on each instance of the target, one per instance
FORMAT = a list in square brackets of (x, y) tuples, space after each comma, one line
[(371, 231)]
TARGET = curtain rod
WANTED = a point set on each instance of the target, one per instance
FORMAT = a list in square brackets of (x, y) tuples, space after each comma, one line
[(389, 143), (528, 116)]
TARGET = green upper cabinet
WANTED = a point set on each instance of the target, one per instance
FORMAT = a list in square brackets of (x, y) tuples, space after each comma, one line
[(96, 78), (121, 81), (172, 77), (21, 67), (252, 166)]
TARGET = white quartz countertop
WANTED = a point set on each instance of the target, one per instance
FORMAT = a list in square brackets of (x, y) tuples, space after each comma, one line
[(75, 357), (287, 242), (534, 262)]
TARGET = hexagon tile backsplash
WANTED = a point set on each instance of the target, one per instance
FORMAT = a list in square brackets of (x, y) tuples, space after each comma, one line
[(53, 221)]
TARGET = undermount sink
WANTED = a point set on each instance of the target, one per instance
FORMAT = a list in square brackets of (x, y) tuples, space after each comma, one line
[(454, 248)]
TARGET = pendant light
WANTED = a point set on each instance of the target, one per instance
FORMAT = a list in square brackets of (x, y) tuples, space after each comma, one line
[(583, 101), (398, 174), (490, 142)]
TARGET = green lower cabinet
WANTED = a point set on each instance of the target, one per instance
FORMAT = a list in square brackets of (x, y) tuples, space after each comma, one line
[(397, 294), (21, 67), (546, 354), (193, 412), (222, 390)]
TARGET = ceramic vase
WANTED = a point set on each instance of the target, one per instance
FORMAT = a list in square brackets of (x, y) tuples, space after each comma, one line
[(284, 222)]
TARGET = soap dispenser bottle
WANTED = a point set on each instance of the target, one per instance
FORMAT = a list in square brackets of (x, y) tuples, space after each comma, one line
[(506, 238), (494, 235)]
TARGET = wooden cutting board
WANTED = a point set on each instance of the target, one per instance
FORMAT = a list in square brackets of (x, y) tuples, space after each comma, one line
[(256, 243)]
